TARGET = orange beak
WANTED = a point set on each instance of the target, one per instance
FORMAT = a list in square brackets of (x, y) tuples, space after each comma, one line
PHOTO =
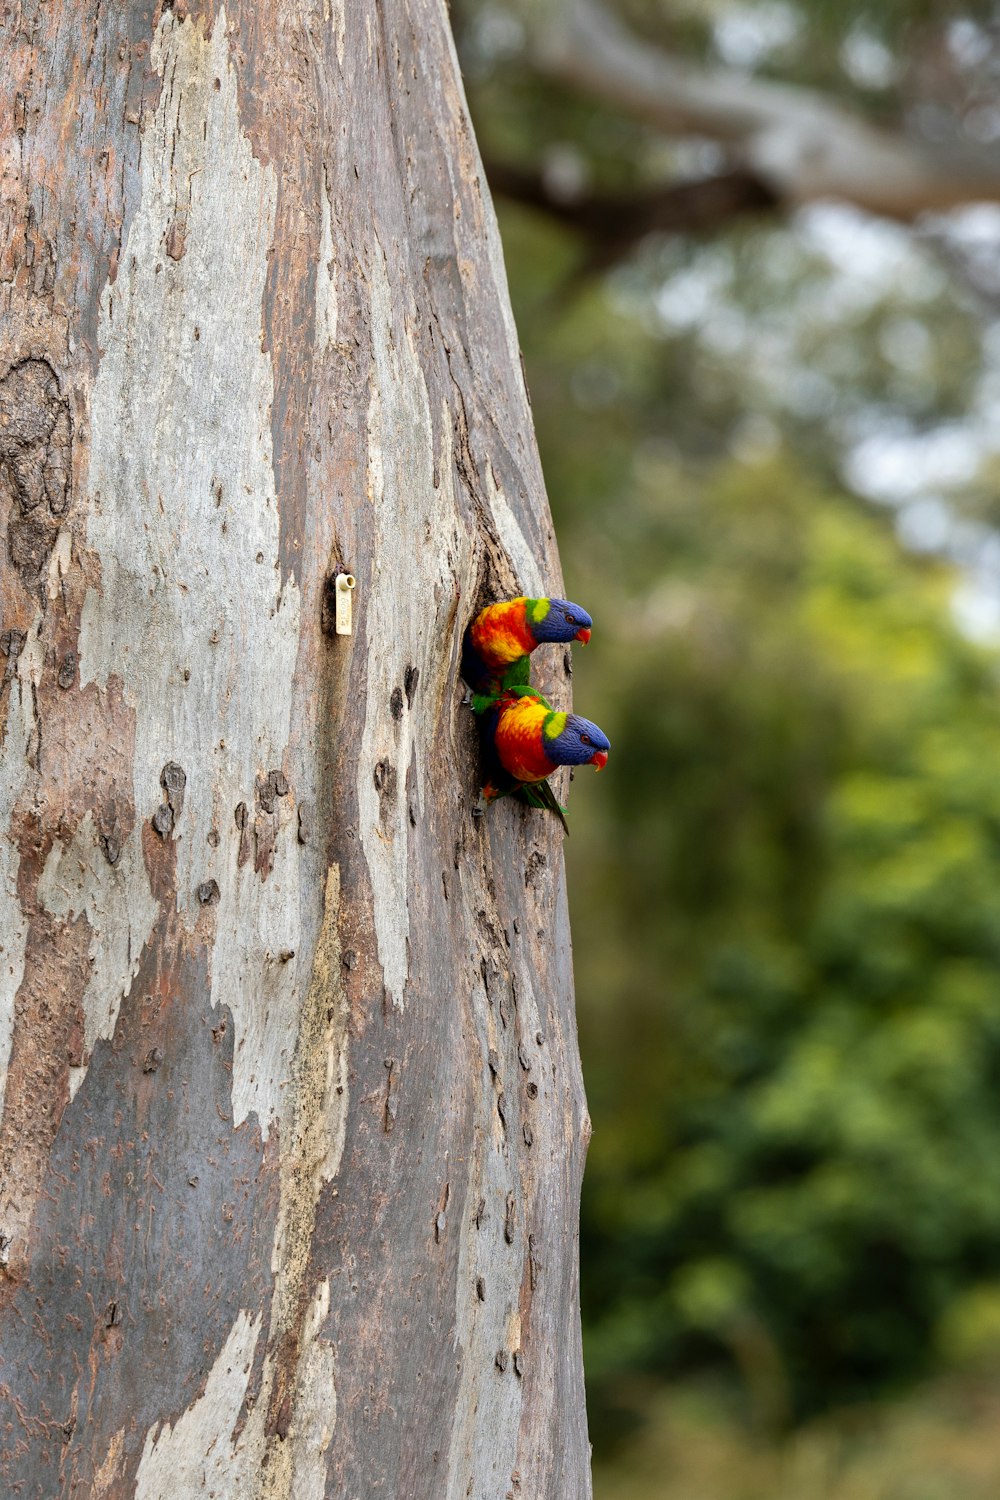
[(599, 759), (583, 635)]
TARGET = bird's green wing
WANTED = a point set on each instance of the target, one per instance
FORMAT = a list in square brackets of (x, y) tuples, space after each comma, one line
[(527, 691), (482, 701), (518, 674), (540, 794)]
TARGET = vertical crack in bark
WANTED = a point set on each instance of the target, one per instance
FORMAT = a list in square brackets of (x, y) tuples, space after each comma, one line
[(301, 1403), (409, 606)]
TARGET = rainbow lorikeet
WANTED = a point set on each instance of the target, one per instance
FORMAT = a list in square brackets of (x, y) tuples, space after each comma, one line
[(525, 740), (499, 642)]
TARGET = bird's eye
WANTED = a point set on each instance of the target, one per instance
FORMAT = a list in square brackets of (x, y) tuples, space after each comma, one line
[(585, 739), (569, 618)]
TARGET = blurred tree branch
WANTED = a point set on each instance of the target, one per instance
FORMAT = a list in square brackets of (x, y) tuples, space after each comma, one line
[(615, 223), (796, 144)]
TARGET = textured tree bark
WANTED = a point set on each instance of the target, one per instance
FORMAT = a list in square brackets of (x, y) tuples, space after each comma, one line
[(292, 1122)]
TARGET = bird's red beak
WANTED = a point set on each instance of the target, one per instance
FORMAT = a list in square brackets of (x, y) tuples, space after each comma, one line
[(599, 759), (583, 635)]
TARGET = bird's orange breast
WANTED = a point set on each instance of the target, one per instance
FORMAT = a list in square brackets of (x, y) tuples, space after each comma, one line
[(500, 635), (519, 741)]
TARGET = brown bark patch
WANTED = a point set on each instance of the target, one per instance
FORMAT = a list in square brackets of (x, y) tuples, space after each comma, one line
[(47, 1042), (35, 464), (154, 1227), (83, 765), (276, 59)]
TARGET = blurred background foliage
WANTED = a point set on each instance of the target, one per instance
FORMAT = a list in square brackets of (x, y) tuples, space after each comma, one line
[(773, 454)]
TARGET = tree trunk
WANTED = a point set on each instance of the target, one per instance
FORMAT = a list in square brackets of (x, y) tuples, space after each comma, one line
[(292, 1125)]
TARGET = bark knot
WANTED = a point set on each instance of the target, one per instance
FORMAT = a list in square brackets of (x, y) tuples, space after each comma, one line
[(35, 463)]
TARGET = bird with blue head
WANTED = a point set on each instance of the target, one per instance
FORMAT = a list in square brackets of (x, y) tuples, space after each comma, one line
[(498, 644), (525, 739)]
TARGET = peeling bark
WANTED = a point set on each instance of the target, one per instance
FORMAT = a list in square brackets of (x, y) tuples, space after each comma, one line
[(292, 1123)]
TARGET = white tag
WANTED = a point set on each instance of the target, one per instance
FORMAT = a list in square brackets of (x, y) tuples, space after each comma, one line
[(343, 616)]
